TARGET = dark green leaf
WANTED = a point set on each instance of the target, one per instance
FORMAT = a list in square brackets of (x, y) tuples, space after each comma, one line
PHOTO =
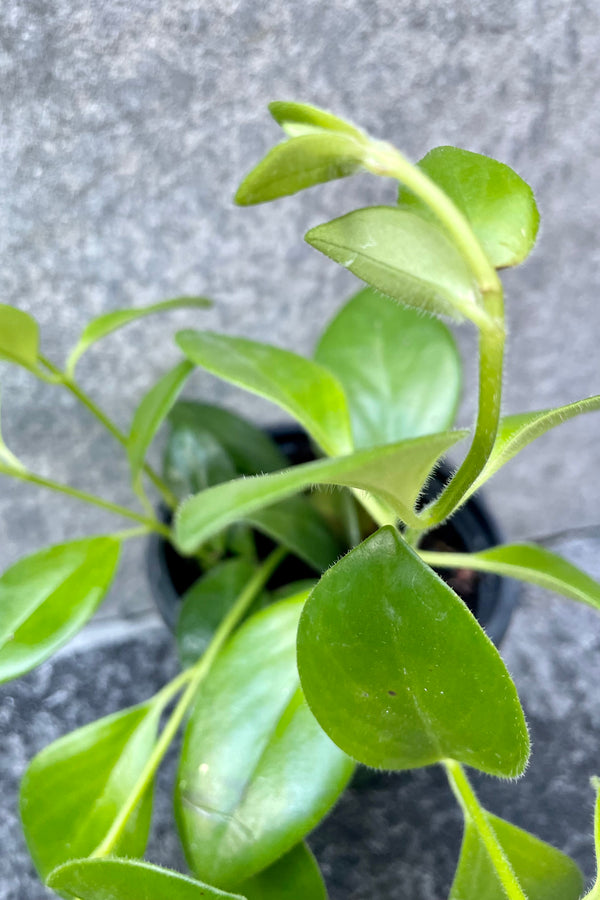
[(298, 526), (151, 413), (73, 789), (19, 337), (300, 163), (257, 773), (400, 370), (404, 256), (301, 118), (295, 876), (127, 879), (106, 324), (396, 473), (46, 598), (543, 872), (304, 389), (397, 670), (195, 460), (498, 204)]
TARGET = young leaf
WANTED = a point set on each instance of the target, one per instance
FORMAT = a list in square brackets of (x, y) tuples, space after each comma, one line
[(398, 672), (395, 472), (128, 879), (301, 118), (151, 412), (516, 432), (400, 370), (73, 789), (304, 389), (112, 321), (46, 598), (404, 256), (543, 872), (257, 773), (594, 894), (300, 163), (498, 204), (295, 876), (19, 337)]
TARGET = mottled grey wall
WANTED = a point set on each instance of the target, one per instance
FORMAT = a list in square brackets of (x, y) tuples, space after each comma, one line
[(125, 127)]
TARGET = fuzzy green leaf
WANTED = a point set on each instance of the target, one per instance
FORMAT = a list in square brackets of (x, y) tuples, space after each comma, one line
[(401, 371), (47, 597), (257, 773), (498, 204), (295, 876), (403, 255), (19, 337), (128, 879), (300, 386), (395, 472), (399, 673), (301, 118), (74, 788)]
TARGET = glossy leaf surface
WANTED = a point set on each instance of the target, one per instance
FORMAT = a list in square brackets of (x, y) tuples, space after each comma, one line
[(151, 413), (104, 325), (543, 872), (19, 337), (395, 472), (257, 773), (74, 788), (300, 386), (47, 597), (400, 370), (397, 670), (404, 256), (498, 204), (128, 879), (302, 118), (300, 163), (295, 876)]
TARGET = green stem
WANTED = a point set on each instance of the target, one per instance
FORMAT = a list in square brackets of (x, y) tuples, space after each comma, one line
[(475, 813), (196, 675), (71, 385)]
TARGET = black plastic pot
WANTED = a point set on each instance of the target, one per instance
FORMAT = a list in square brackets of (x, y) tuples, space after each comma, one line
[(492, 599)]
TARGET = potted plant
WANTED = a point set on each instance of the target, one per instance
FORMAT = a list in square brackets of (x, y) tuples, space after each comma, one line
[(284, 688)]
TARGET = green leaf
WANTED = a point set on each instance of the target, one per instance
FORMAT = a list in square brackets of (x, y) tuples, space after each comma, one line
[(397, 670), (300, 163), (73, 789), (516, 432), (404, 256), (400, 371), (301, 118), (127, 879), (298, 526), (498, 204), (19, 337), (112, 321), (8, 458), (257, 773), (300, 386), (543, 872), (195, 460), (396, 473), (151, 413), (594, 894), (206, 604), (295, 876), (46, 598)]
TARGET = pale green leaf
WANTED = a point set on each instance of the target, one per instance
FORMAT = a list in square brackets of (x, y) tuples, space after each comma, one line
[(594, 894), (74, 788), (399, 673), (498, 204), (112, 321), (404, 256), (257, 773), (19, 337), (295, 876), (400, 370), (301, 118), (7, 457), (395, 472), (195, 460), (300, 386), (128, 879), (47, 597)]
